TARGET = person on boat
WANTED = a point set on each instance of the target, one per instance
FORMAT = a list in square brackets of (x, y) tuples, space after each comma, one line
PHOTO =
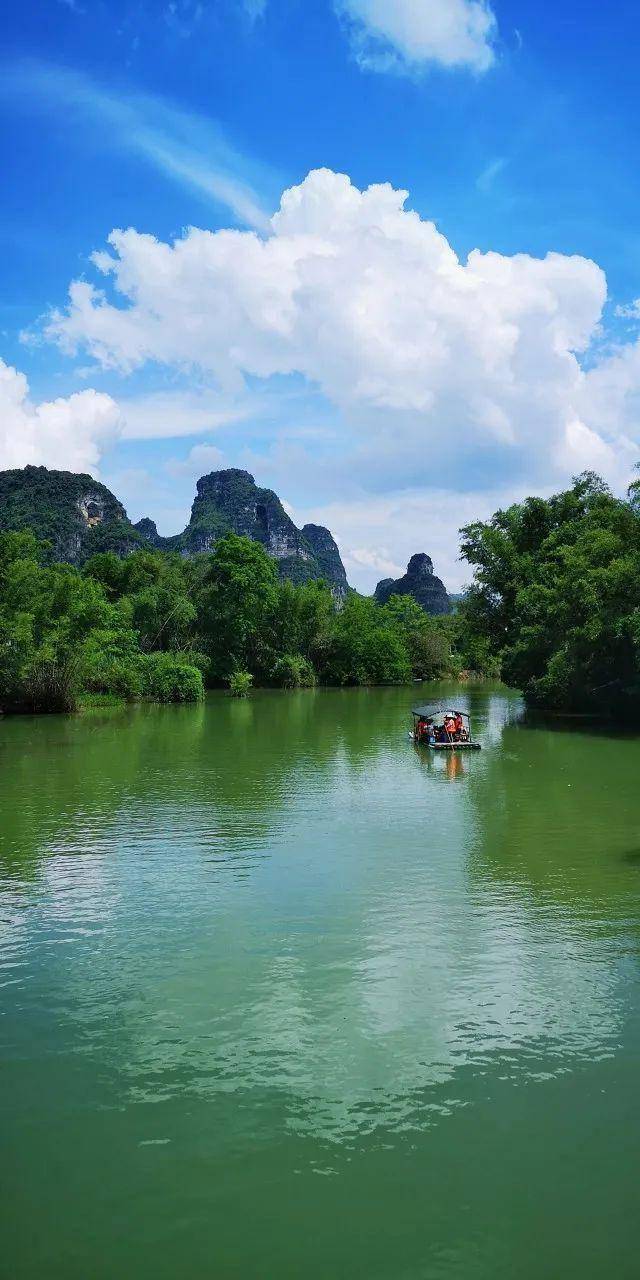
[(450, 725), (458, 723), (422, 730)]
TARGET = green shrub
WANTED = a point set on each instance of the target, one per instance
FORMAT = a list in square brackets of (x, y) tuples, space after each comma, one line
[(167, 677), (240, 683), (98, 701), (292, 671), (110, 663)]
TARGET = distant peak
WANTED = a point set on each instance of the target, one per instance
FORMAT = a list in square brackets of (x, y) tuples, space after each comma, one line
[(147, 527), (318, 533), (420, 563), (230, 475), (420, 582)]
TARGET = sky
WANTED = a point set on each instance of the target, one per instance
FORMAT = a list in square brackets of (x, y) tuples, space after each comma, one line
[(384, 254)]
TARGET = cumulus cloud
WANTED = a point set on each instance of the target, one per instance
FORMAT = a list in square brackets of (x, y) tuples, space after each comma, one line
[(68, 433), (405, 35), (434, 362)]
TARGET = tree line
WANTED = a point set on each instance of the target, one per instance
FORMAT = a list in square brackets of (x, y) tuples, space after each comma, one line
[(154, 625), (553, 608), (555, 598)]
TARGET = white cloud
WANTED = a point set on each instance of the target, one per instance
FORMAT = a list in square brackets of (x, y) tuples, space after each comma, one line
[(66, 433), (406, 35), (584, 450), (373, 560), (629, 310), (459, 371)]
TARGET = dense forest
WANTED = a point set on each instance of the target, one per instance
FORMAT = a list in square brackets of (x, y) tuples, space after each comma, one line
[(554, 608), (555, 599), (158, 626)]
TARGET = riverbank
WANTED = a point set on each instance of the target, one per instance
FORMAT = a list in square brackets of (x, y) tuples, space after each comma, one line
[(88, 701)]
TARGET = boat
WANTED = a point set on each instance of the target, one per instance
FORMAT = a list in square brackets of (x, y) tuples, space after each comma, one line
[(431, 728)]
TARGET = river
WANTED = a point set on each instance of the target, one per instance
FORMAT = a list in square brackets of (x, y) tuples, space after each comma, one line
[(284, 996)]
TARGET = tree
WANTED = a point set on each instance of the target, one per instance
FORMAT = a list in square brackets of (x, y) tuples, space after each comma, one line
[(237, 601), (556, 596), (64, 632), (363, 648), (427, 639), (154, 593)]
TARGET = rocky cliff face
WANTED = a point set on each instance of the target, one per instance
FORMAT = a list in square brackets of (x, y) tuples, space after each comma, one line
[(420, 582), (76, 514), (231, 500), (79, 516), (327, 556)]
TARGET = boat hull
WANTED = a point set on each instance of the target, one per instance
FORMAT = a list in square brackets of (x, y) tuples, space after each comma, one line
[(447, 746)]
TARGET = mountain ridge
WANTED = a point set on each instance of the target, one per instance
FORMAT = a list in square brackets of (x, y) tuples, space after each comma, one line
[(80, 516)]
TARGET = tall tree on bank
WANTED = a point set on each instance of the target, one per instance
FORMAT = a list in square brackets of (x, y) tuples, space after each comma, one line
[(556, 595), (237, 599)]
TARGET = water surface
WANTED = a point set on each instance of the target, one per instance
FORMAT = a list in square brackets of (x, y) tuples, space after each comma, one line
[(283, 996)]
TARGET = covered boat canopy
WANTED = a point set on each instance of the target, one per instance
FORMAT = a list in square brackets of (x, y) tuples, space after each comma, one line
[(437, 712)]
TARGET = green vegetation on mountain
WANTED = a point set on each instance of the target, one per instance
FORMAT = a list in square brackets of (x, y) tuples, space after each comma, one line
[(79, 517), (556, 598), (75, 514)]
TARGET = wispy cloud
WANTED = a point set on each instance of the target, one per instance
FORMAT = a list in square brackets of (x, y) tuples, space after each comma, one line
[(486, 179), (185, 147), (254, 9), (168, 414)]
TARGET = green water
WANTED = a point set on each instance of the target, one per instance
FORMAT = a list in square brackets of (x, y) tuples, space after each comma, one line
[(283, 996)]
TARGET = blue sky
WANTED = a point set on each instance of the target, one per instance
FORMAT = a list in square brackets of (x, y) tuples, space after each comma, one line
[(351, 355)]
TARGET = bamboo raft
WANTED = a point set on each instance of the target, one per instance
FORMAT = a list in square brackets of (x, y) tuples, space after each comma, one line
[(436, 737)]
